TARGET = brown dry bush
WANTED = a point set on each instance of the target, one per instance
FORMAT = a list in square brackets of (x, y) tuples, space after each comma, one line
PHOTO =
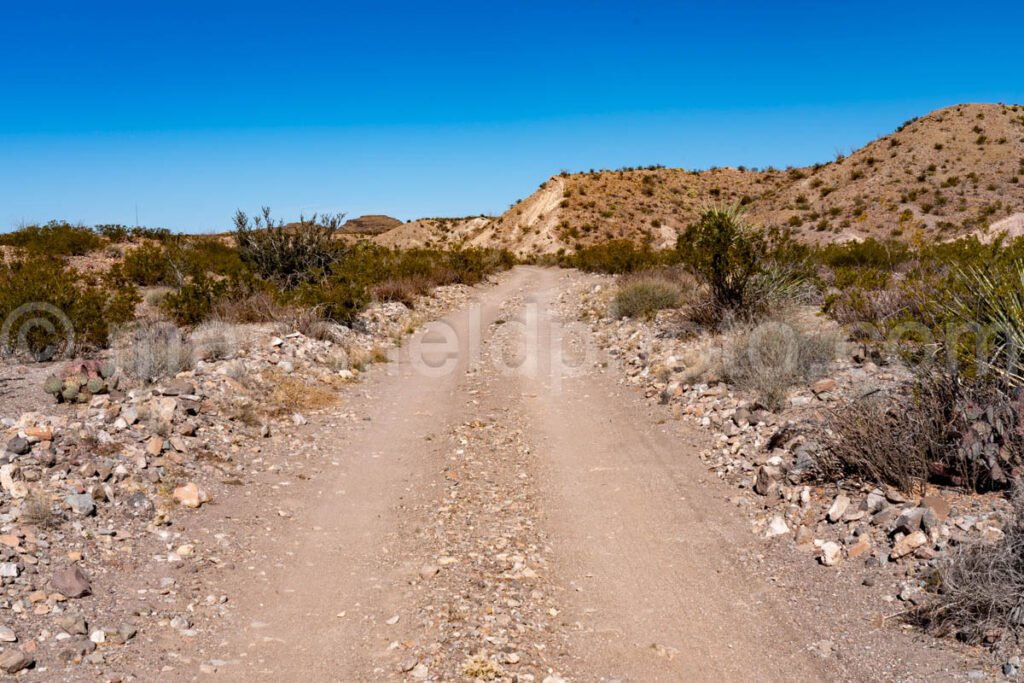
[(942, 428), (981, 587), (879, 441)]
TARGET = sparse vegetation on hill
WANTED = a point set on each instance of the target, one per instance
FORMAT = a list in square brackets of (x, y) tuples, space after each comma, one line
[(949, 174)]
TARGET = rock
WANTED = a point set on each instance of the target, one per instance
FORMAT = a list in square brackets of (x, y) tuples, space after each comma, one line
[(838, 508), (777, 527), (126, 631), (19, 446), (420, 672), (909, 521), (860, 548), (73, 625), (831, 554), (767, 481), (155, 446), (81, 503), (885, 516), (908, 544), (180, 623), (17, 489), (7, 635), (140, 505), (13, 661), (429, 570), (71, 582), (298, 419), (824, 386), (9, 570), (938, 506), (190, 495)]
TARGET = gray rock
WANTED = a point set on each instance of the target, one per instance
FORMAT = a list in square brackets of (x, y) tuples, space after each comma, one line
[(81, 503), (7, 635), (19, 446), (909, 521), (140, 505), (9, 570)]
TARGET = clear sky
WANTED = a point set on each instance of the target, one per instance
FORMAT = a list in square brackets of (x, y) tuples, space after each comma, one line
[(188, 110)]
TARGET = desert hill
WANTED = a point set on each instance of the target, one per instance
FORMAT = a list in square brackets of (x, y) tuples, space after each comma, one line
[(373, 224), (954, 172)]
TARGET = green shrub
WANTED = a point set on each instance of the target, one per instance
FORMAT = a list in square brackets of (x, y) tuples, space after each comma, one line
[(288, 254), (49, 309), (616, 257), (644, 295), (748, 270), (56, 238)]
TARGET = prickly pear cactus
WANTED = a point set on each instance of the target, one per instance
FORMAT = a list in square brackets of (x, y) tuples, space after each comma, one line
[(96, 385), (53, 385)]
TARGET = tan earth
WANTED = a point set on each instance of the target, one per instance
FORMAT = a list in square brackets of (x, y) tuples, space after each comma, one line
[(496, 505)]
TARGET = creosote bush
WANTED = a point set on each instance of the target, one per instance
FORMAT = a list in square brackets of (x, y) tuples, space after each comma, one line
[(46, 304), (56, 238), (288, 254)]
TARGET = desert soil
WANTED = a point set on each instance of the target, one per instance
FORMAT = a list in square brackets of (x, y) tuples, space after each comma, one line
[(505, 508)]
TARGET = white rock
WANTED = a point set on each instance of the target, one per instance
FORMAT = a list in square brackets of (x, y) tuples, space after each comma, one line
[(831, 553), (838, 508), (777, 527)]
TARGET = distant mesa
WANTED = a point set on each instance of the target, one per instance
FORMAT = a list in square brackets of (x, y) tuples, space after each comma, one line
[(374, 224)]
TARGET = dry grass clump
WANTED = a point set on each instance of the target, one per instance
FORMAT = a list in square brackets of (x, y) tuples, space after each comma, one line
[(214, 340), (981, 587), (149, 351), (643, 295), (37, 510), (288, 394), (774, 356)]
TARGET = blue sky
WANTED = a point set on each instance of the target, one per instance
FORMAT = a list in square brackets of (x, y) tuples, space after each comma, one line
[(189, 110)]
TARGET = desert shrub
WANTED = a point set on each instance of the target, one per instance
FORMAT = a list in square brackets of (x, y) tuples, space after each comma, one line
[(149, 265), (150, 351), (774, 356), (748, 270), (980, 587), (56, 238), (943, 428), (194, 302), (173, 261), (252, 307), (350, 285), (864, 254), (48, 309), (878, 441), (643, 295), (616, 257), (288, 254)]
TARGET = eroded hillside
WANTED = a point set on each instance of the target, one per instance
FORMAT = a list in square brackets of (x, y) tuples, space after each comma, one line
[(954, 172)]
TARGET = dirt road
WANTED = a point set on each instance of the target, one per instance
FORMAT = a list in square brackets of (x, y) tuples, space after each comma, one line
[(509, 509)]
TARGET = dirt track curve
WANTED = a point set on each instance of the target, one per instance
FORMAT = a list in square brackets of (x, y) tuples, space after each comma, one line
[(511, 510)]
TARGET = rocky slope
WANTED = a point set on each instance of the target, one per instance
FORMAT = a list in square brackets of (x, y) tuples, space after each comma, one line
[(954, 172)]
